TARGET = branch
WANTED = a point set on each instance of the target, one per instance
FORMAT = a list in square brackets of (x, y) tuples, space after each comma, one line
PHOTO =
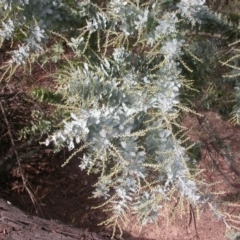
[(205, 34), (25, 185)]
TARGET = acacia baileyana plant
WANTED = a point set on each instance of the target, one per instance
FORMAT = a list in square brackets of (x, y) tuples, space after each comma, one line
[(122, 86)]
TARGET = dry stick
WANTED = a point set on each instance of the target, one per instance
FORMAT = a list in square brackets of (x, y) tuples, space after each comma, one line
[(192, 216), (7, 95), (206, 34), (226, 179), (225, 157), (17, 157)]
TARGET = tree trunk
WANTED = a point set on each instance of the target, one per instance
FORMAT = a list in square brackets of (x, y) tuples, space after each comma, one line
[(16, 225)]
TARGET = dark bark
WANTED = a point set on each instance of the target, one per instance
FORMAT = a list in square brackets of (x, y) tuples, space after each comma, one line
[(16, 225)]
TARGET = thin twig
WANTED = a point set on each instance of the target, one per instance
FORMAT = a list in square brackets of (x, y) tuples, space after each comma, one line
[(192, 217), (25, 185), (213, 142)]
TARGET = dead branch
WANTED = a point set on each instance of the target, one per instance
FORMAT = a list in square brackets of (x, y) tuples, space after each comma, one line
[(25, 183)]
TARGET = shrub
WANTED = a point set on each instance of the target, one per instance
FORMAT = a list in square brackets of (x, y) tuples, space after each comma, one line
[(122, 85)]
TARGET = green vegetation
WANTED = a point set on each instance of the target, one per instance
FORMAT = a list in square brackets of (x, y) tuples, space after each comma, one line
[(125, 73)]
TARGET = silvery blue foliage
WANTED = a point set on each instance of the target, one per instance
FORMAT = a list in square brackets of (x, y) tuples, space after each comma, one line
[(126, 100), (172, 48), (20, 55), (132, 17), (8, 29), (191, 9), (40, 17), (167, 24), (115, 96), (97, 23)]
